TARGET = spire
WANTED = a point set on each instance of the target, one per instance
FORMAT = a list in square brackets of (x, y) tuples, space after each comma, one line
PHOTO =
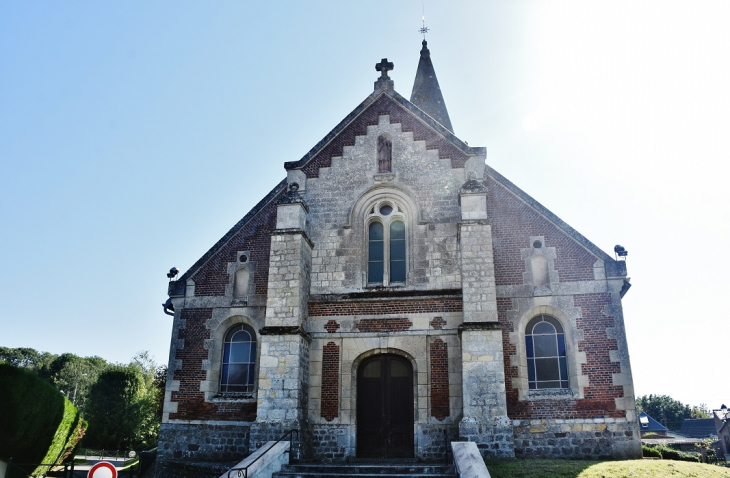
[(426, 91)]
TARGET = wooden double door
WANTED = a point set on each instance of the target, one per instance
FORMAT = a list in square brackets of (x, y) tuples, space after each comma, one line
[(385, 407)]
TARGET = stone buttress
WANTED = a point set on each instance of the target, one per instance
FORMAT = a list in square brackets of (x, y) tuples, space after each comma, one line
[(485, 419), (284, 368)]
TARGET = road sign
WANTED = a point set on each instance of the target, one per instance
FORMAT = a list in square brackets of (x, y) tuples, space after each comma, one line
[(103, 469)]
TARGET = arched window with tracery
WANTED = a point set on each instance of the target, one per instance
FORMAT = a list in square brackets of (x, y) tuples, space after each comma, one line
[(547, 361), (238, 369), (386, 228)]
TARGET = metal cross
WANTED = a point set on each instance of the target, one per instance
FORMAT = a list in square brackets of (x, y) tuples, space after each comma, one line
[(384, 67), (424, 28)]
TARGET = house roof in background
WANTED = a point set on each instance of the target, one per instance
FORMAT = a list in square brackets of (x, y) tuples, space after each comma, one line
[(699, 428), (650, 425)]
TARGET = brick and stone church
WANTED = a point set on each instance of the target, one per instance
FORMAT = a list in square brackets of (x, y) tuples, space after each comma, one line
[(394, 291)]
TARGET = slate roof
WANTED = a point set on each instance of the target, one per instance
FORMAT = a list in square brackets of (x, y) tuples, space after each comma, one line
[(699, 428), (427, 92), (651, 425)]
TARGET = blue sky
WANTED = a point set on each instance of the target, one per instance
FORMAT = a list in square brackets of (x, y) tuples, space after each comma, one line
[(133, 135)]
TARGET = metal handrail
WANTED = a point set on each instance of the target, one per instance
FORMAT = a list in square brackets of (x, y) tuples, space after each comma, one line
[(290, 433), (446, 446)]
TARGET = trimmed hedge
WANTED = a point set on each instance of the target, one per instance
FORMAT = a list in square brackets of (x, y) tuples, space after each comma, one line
[(666, 452), (650, 452), (39, 424)]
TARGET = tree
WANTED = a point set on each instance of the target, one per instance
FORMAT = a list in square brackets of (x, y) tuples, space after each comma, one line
[(122, 408), (25, 358), (122, 402), (666, 410), (700, 411)]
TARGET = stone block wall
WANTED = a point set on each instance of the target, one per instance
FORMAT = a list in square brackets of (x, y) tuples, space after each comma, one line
[(200, 442), (430, 440), (288, 293), (283, 378), (598, 438), (423, 184), (330, 442), (477, 272)]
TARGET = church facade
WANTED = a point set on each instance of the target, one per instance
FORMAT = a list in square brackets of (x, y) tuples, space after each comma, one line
[(395, 292)]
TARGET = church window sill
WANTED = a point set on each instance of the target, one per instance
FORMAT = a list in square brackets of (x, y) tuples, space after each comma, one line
[(233, 397), (550, 394)]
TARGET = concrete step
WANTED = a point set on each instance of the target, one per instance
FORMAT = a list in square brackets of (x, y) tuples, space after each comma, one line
[(366, 470)]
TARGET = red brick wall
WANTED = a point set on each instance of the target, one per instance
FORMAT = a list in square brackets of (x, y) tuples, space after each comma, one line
[(369, 117), (439, 355), (513, 222), (383, 325), (191, 401), (378, 307), (330, 381), (599, 394), (211, 279)]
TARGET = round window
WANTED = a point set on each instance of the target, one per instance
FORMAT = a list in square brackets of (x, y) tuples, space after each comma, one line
[(386, 209)]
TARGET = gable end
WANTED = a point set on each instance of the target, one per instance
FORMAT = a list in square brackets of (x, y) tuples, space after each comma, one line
[(613, 267), (400, 110), (177, 288)]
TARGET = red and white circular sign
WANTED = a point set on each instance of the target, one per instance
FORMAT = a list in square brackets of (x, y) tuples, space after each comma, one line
[(103, 469)]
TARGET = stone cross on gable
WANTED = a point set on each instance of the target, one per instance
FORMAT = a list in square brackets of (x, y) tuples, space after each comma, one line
[(384, 67)]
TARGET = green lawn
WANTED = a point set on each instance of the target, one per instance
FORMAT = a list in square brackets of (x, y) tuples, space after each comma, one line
[(602, 469)]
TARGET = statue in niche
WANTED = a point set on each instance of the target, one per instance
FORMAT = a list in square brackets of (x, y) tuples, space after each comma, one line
[(385, 148)]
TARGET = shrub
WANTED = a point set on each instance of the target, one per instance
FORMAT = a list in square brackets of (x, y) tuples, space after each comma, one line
[(39, 424), (650, 452), (668, 453)]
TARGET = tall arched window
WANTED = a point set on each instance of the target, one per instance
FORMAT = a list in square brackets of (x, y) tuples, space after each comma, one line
[(547, 362), (386, 245), (375, 252), (239, 360), (397, 251)]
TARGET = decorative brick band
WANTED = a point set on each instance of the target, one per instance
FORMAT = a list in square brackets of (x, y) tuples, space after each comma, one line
[(383, 325), (437, 323), (330, 384), (331, 326), (439, 379), (383, 307)]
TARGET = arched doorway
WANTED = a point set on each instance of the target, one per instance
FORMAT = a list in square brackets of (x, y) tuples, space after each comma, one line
[(385, 407)]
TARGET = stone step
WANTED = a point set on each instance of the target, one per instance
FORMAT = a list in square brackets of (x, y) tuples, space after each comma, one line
[(369, 470)]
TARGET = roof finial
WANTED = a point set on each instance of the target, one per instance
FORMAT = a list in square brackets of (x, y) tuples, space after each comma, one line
[(384, 67), (384, 83), (424, 28)]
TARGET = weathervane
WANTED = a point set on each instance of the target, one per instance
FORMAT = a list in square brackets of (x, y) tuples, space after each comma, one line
[(424, 28)]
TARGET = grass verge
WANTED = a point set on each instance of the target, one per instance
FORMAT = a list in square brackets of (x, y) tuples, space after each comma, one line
[(603, 469)]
